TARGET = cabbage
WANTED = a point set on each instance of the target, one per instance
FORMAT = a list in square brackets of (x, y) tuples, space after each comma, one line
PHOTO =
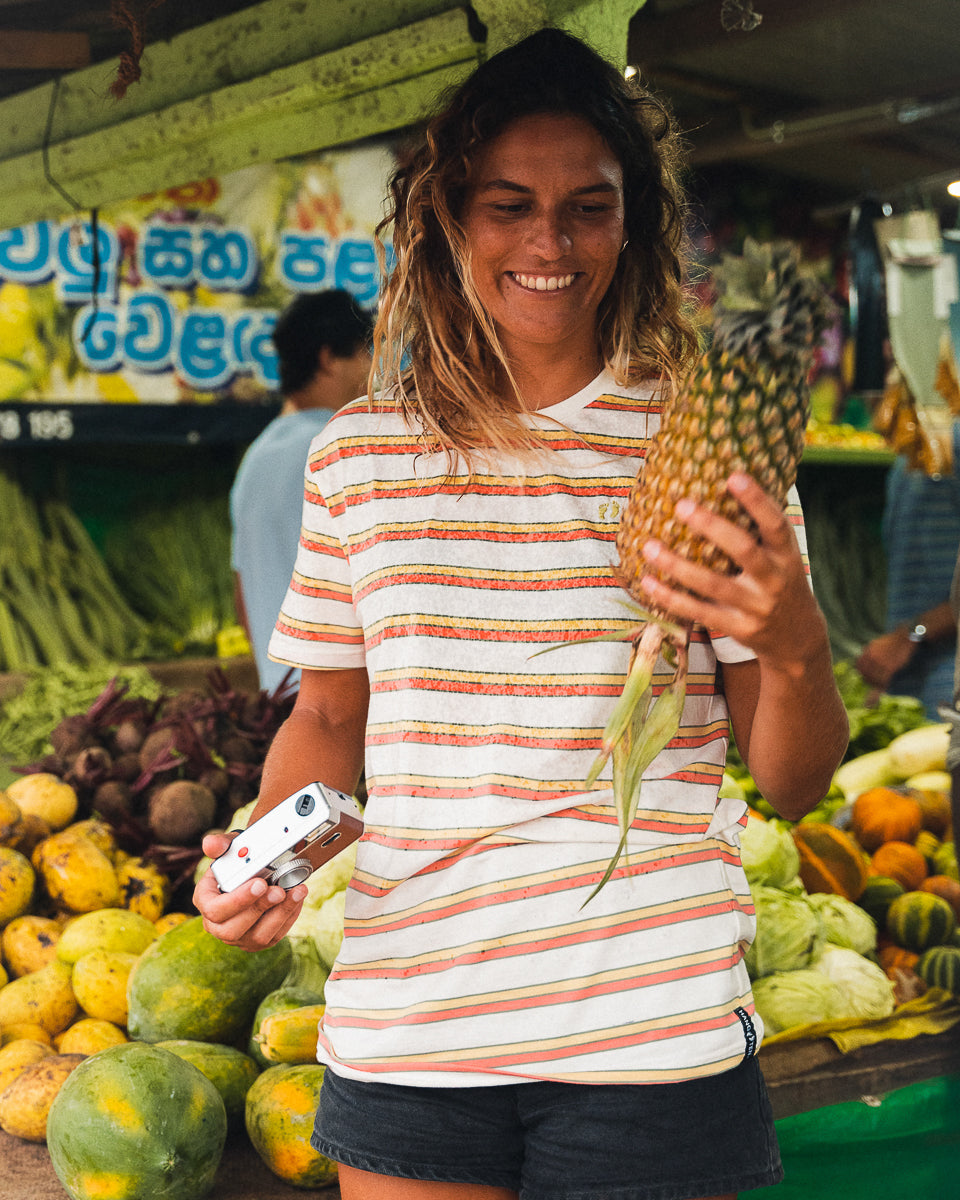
[(332, 877), (789, 998), (324, 925), (789, 932), (867, 992), (845, 923), (768, 853)]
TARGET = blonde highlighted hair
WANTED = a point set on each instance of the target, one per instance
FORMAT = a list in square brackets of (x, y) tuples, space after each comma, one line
[(435, 346)]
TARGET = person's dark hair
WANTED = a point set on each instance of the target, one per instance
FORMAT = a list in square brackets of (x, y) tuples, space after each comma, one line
[(310, 322), (433, 338)]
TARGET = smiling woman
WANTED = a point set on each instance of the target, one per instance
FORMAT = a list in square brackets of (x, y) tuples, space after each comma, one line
[(544, 220), (495, 1026)]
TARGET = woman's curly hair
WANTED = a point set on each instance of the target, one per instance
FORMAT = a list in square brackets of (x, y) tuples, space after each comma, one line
[(434, 343)]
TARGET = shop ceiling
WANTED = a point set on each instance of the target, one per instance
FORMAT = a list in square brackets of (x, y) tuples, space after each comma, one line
[(847, 98)]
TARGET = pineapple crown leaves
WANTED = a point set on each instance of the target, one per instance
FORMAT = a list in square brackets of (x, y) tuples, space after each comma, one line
[(768, 299)]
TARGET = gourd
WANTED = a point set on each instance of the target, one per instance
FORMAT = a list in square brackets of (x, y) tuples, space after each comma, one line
[(280, 1112), (189, 985), (229, 1070), (830, 860), (878, 895), (943, 885), (919, 920), (881, 814), (902, 862), (136, 1121), (940, 967)]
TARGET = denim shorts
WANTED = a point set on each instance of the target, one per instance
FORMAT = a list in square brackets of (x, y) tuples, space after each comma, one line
[(560, 1141)]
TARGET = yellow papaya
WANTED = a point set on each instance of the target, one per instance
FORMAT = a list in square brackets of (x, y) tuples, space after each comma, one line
[(99, 982), (290, 1036), (105, 929), (17, 880), (46, 795), (45, 998), (25, 1104), (29, 943), (77, 874)]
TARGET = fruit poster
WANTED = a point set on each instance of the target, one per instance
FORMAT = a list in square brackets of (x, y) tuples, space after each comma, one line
[(172, 296)]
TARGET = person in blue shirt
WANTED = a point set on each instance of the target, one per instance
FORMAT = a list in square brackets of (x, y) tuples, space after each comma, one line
[(921, 532), (323, 346)]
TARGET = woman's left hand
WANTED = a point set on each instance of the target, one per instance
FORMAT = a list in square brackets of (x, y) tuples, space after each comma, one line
[(766, 606)]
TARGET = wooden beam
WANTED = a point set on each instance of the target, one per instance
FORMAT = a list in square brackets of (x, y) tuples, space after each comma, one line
[(34, 50)]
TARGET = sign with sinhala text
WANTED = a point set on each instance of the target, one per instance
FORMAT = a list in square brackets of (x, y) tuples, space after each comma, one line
[(172, 296)]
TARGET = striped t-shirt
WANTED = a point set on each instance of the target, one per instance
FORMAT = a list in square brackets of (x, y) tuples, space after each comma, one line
[(469, 956)]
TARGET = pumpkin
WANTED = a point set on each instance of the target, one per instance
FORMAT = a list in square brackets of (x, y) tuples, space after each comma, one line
[(830, 860), (878, 895), (900, 861), (943, 885), (280, 1112), (894, 958), (229, 1070), (919, 920), (940, 967), (189, 985), (882, 814), (136, 1120), (935, 810)]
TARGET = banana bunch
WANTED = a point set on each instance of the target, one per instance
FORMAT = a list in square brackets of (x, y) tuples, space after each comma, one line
[(58, 602)]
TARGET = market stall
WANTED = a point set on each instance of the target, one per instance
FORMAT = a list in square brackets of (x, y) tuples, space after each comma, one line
[(137, 365)]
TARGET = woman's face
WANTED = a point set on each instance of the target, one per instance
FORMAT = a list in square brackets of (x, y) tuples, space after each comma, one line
[(544, 221)]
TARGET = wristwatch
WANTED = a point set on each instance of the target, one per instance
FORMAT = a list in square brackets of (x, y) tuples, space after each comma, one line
[(917, 634)]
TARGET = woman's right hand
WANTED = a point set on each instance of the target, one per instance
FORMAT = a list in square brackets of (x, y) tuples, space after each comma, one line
[(254, 915)]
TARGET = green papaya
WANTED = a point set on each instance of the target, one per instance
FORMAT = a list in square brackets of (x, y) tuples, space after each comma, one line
[(188, 985)]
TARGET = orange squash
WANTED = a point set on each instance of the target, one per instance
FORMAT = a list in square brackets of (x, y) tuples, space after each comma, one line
[(830, 860), (935, 810), (882, 814), (893, 958), (943, 885), (900, 861)]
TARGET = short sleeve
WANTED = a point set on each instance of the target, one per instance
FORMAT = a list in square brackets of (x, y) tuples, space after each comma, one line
[(318, 625)]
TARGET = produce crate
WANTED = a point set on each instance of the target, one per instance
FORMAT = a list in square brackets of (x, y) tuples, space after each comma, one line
[(904, 1143)]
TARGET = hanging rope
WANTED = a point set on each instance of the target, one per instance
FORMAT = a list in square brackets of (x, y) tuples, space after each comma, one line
[(130, 15)]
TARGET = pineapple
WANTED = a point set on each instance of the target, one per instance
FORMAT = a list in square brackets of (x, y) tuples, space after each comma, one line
[(743, 408)]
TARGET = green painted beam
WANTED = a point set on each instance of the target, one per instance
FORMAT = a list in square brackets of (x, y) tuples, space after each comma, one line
[(337, 97), (281, 78)]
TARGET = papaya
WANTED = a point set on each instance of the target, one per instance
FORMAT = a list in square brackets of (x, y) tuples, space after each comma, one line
[(189, 985), (90, 1035), (229, 1070), (290, 1036), (16, 1056), (136, 1121), (113, 929), (47, 796), (77, 874), (25, 1103), (100, 981), (45, 998), (29, 943), (280, 1112), (17, 881), (143, 889)]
